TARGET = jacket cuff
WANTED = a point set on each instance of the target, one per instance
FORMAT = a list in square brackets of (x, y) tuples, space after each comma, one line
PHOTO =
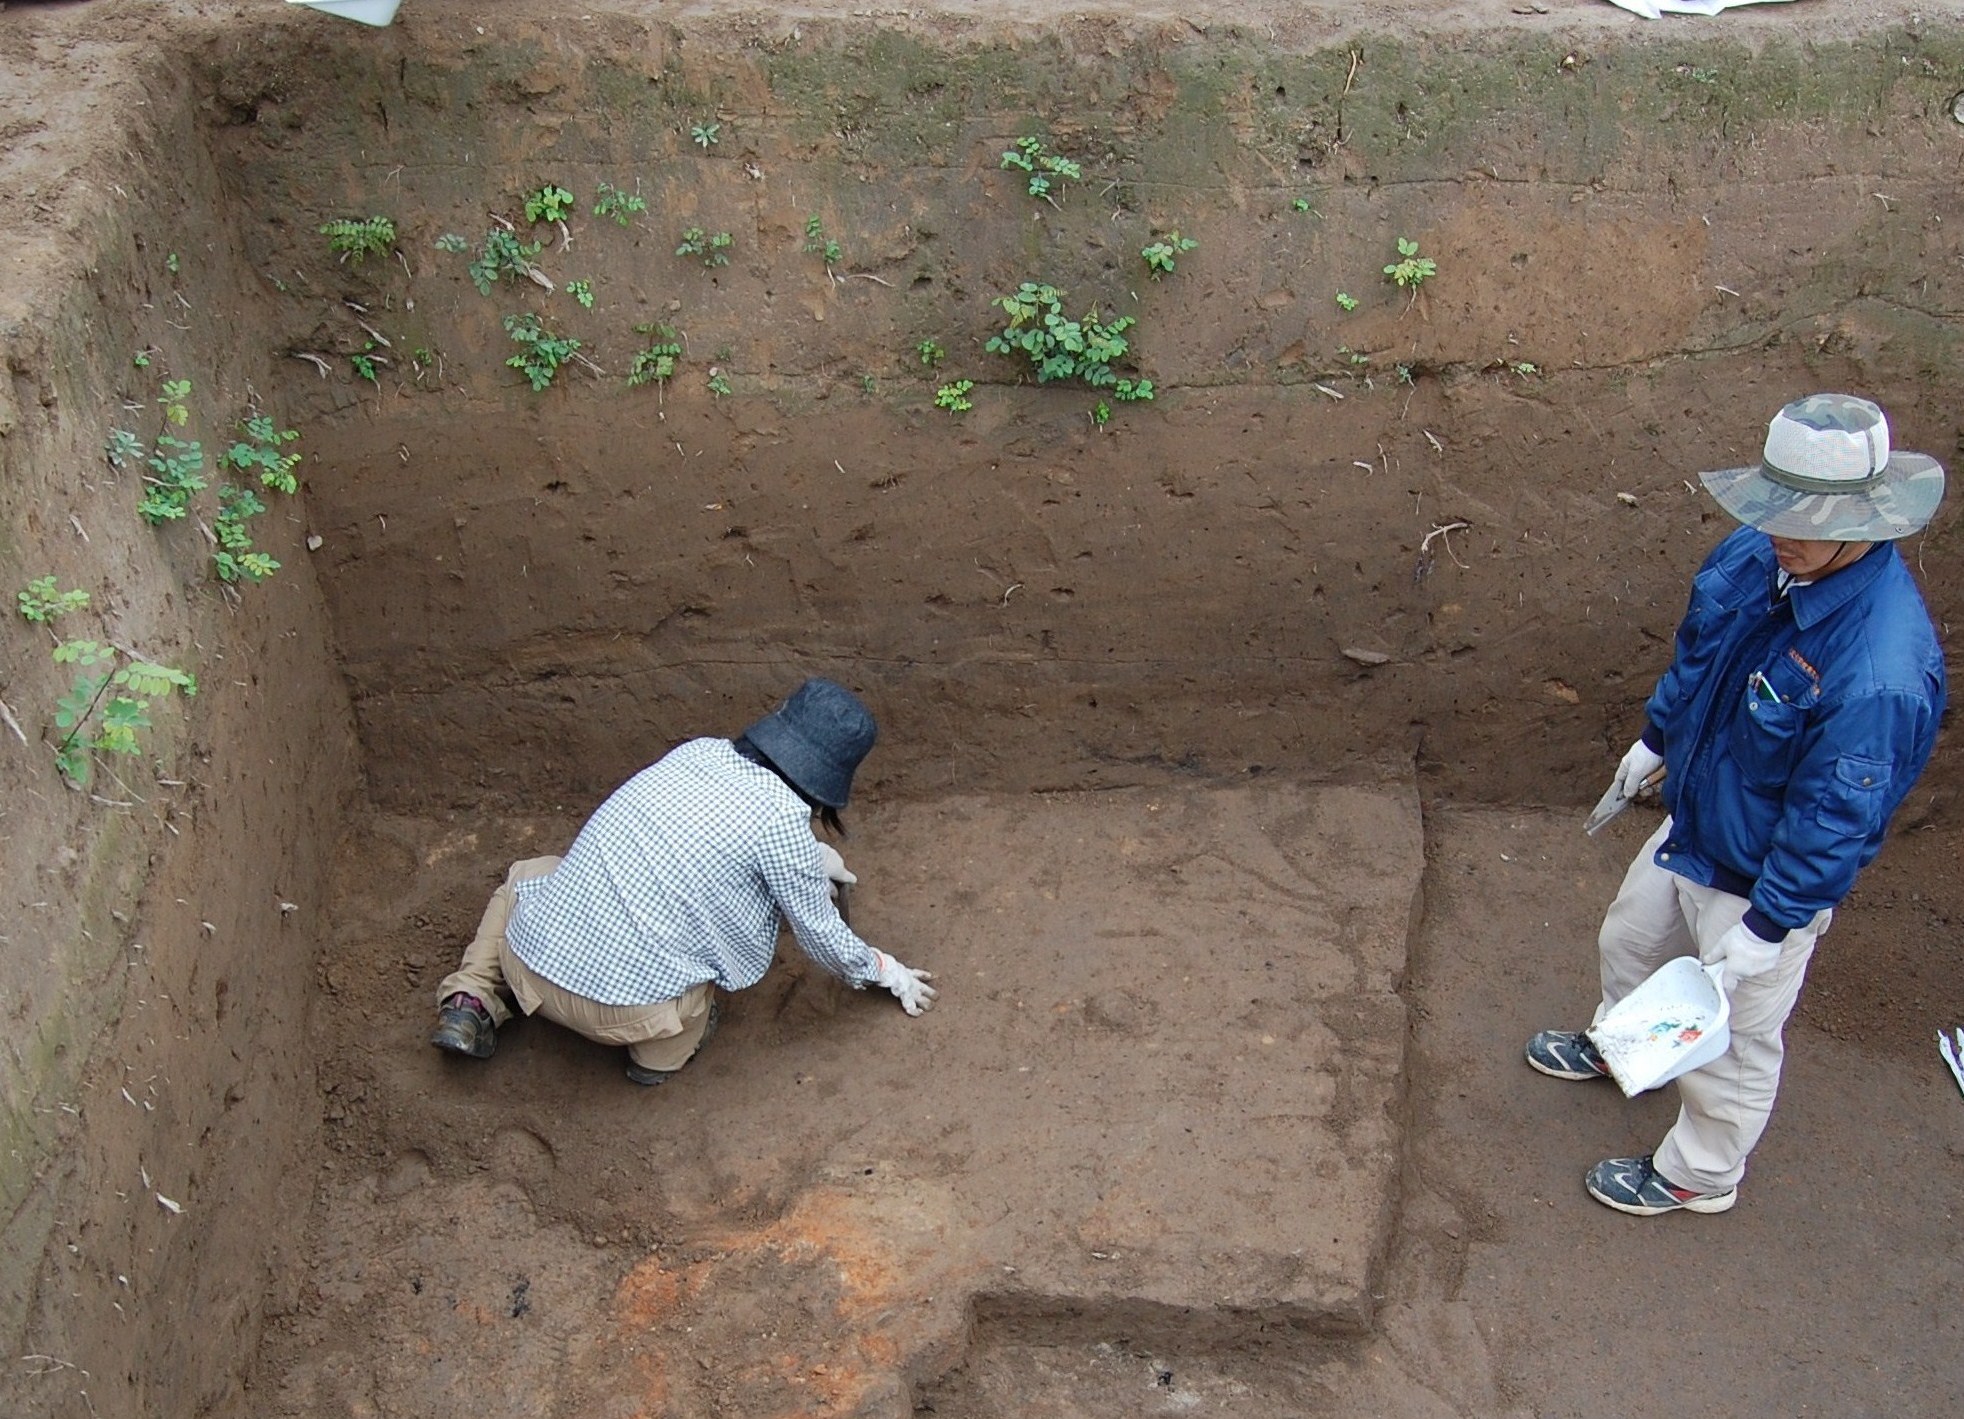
[(1763, 926), (1653, 738)]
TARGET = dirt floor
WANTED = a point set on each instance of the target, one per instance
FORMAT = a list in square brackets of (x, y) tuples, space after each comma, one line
[(1352, 580)]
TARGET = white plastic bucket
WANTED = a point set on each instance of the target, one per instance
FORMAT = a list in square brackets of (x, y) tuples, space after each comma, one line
[(1675, 1021), (368, 12)]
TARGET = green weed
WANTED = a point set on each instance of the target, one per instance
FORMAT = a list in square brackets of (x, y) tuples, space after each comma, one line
[(260, 452), (1101, 414), (122, 448), (705, 135), (1058, 347), (1160, 255), (610, 201), (931, 353), (234, 559), (104, 668), (450, 241), (657, 363), (357, 239), (581, 291), (540, 353), (177, 474), (550, 203), (1346, 300), (175, 392), (1045, 169), (141, 359), (501, 255), (817, 241), (954, 397), (719, 384), (1410, 270), (712, 250), (42, 601)]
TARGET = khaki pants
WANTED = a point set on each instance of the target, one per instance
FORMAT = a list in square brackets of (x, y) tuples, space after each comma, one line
[(1723, 1107), (661, 1036)]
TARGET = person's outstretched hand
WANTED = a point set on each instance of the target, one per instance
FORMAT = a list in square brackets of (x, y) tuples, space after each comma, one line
[(909, 986)]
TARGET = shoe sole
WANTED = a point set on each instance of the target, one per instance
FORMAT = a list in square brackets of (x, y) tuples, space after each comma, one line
[(1719, 1202), (1573, 1076)]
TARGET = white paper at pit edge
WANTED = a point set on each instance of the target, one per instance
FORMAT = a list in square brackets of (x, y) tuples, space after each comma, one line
[(1653, 9)]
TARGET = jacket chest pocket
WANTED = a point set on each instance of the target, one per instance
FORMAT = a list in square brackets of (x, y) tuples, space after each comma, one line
[(1769, 724)]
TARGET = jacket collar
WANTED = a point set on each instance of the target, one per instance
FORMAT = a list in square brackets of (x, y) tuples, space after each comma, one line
[(1818, 600)]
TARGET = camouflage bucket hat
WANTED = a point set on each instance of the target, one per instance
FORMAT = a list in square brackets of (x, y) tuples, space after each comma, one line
[(1827, 475)]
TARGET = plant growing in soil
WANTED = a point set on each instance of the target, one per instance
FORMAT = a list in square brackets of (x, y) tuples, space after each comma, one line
[(450, 241), (122, 448), (719, 383), (1045, 169), (657, 363), (358, 238), (931, 353), (103, 668), (234, 559), (1410, 270), (1346, 301), (42, 600), (1059, 347), (260, 451), (581, 291), (610, 201), (177, 474), (175, 392), (501, 255), (818, 242), (1101, 414), (364, 362), (711, 249), (1160, 255), (540, 352), (549, 203), (954, 397), (705, 135)]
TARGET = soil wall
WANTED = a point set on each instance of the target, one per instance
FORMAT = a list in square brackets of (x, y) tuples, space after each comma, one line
[(1642, 249), (157, 955)]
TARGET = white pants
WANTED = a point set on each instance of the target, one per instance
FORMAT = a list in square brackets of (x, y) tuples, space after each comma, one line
[(1723, 1107)]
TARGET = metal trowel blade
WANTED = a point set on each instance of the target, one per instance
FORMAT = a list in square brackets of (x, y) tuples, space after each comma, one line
[(1612, 803)]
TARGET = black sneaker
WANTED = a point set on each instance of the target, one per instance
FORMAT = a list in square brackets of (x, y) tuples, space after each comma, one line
[(1566, 1054), (1635, 1186), (464, 1027), (648, 1078)]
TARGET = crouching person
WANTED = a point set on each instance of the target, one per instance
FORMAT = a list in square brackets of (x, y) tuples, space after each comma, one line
[(673, 889)]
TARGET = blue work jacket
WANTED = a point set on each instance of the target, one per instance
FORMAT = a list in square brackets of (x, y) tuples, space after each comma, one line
[(1792, 727)]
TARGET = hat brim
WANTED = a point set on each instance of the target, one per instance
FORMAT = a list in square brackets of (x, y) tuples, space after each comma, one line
[(1901, 502)]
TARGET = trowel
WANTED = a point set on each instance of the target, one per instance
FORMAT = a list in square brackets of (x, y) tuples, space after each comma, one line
[(1615, 802)]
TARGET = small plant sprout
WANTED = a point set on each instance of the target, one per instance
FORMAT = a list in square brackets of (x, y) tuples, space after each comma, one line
[(171, 263), (550, 203), (868, 384), (122, 448), (177, 474), (1058, 347), (175, 392), (656, 364), (931, 353), (358, 238), (1346, 301), (450, 241), (234, 560), (1160, 255), (610, 201), (42, 601), (581, 291), (1410, 270), (1045, 169), (103, 669), (1522, 368), (1301, 204), (954, 397), (817, 241), (1132, 391), (540, 352), (501, 255), (712, 250), (141, 359), (719, 383), (260, 451), (705, 135), (1101, 414), (364, 363)]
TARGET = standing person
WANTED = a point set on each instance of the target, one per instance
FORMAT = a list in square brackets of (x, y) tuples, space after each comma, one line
[(674, 888), (1800, 705)]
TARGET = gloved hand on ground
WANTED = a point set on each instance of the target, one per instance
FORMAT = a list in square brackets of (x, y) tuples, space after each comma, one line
[(1639, 764), (909, 986), (1745, 954), (835, 869)]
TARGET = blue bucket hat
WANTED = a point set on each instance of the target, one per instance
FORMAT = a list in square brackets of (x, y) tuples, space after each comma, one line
[(817, 738)]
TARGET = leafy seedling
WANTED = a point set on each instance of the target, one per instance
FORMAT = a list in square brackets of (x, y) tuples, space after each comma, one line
[(122, 448), (1132, 391), (931, 353), (1410, 270), (1521, 367), (1101, 414), (1045, 169), (540, 352), (1160, 255), (705, 135), (104, 668), (43, 601), (1058, 347), (450, 241), (550, 203), (235, 560), (141, 359), (711, 250), (358, 238), (656, 364), (261, 452), (818, 242), (177, 474), (171, 263), (954, 397), (1346, 300), (719, 384), (581, 291), (501, 255), (1301, 204), (175, 392), (610, 201)]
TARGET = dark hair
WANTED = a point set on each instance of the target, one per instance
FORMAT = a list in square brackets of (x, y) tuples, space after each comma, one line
[(826, 814)]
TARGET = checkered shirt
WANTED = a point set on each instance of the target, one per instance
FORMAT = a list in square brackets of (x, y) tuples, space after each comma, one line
[(679, 878)]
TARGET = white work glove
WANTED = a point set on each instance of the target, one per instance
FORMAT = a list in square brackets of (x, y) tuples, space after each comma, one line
[(908, 985), (1639, 764), (1744, 953), (835, 870)]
